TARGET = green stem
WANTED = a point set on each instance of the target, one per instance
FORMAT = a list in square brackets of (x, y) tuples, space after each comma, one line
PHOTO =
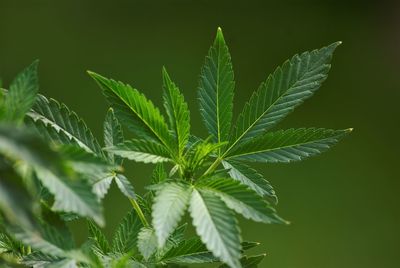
[(139, 211), (212, 167)]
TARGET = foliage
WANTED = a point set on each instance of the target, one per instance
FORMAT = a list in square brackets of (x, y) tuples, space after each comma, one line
[(54, 170)]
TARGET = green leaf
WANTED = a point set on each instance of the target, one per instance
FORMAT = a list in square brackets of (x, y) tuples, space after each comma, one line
[(101, 186), (251, 178), (112, 135), (63, 125), (292, 83), (217, 226), (178, 112), (249, 262), (189, 251), (216, 90), (71, 195), (241, 199), (22, 94), (168, 208), (159, 174), (288, 145), (147, 242), (99, 239), (125, 186), (145, 151), (125, 238), (136, 111)]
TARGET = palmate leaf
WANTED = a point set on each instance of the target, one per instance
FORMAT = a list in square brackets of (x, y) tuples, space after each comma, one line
[(217, 226), (178, 112), (216, 90), (288, 145), (112, 135), (241, 199), (62, 123), (21, 94), (168, 208), (251, 178), (145, 151), (136, 111), (296, 80), (125, 238)]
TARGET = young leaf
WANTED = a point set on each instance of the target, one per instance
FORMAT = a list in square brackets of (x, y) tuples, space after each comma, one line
[(288, 145), (284, 90), (125, 238), (135, 110), (241, 199), (145, 151), (251, 178), (112, 135), (147, 242), (217, 226), (22, 94), (64, 123), (178, 112), (168, 208), (216, 90)]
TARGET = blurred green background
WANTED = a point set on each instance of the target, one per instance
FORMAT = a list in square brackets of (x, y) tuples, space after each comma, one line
[(343, 205)]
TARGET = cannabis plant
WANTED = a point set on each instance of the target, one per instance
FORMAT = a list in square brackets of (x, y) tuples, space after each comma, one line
[(54, 170)]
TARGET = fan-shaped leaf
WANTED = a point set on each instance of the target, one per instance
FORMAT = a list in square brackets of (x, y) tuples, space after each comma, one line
[(216, 90), (178, 112), (217, 226), (169, 206), (296, 80), (288, 145), (145, 151)]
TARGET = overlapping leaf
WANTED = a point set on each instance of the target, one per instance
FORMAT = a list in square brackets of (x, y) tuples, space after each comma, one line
[(136, 111), (125, 238), (112, 135), (189, 251)]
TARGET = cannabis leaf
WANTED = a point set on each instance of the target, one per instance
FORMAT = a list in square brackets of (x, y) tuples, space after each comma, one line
[(178, 112), (135, 110), (21, 94), (288, 145), (217, 226), (112, 135), (216, 90), (296, 80), (168, 208)]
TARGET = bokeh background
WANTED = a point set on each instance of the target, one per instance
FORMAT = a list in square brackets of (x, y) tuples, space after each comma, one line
[(343, 205)]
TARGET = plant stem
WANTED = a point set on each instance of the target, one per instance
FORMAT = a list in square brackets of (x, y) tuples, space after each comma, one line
[(139, 211), (212, 167)]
